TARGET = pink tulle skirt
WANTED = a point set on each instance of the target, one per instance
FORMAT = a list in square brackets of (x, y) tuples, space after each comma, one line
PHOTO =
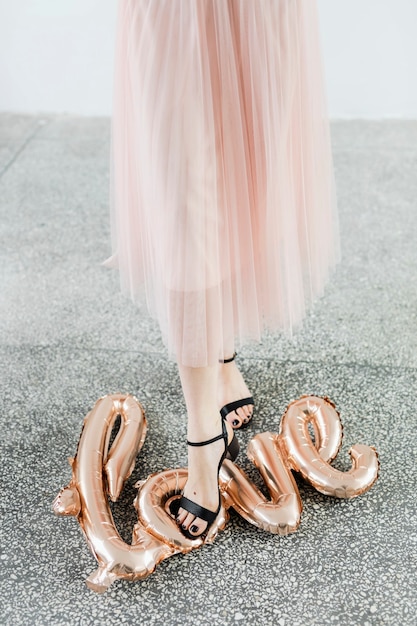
[(222, 190)]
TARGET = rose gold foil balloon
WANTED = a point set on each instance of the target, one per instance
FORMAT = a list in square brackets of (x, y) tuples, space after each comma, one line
[(100, 470), (152, 504), (85, 496), (276, 455), (281, 514), (311, 459), (156, 535)]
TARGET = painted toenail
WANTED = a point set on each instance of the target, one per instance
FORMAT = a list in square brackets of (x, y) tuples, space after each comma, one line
[(194, 528), (235, 423), (184, 527)]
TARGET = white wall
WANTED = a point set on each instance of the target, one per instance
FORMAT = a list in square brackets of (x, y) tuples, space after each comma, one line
[(370, 55), (57, 55)]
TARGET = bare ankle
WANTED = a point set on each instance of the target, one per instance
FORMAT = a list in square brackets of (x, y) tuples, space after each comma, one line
[(204, 425)]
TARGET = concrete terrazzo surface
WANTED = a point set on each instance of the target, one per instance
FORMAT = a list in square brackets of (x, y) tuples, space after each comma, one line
[(68, 337)]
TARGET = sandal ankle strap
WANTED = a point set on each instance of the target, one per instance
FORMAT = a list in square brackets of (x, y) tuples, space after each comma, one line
[(228, 360), (223, 436)]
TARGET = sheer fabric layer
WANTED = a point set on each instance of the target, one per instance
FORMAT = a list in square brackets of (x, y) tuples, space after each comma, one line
[(222, 198)]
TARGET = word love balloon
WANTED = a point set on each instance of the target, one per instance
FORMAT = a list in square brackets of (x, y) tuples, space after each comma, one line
[(100, 470)]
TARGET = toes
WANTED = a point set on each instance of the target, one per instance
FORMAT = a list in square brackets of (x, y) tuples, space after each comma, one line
[(246, 412), (241, 414), (233, 420), (182, 514), (197, 527), (194, 525), (249, 410), (187, 521)]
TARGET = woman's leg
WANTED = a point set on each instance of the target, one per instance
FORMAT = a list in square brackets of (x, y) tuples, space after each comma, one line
[(200, 388)]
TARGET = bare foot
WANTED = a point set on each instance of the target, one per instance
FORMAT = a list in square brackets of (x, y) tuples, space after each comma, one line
[(202, 486), (232, 387)]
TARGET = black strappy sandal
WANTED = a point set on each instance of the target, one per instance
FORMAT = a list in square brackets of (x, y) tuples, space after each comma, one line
[(237, 404), (231, 451)]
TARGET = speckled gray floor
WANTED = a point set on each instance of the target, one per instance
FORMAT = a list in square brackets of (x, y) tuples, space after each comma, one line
[(67, 337)]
